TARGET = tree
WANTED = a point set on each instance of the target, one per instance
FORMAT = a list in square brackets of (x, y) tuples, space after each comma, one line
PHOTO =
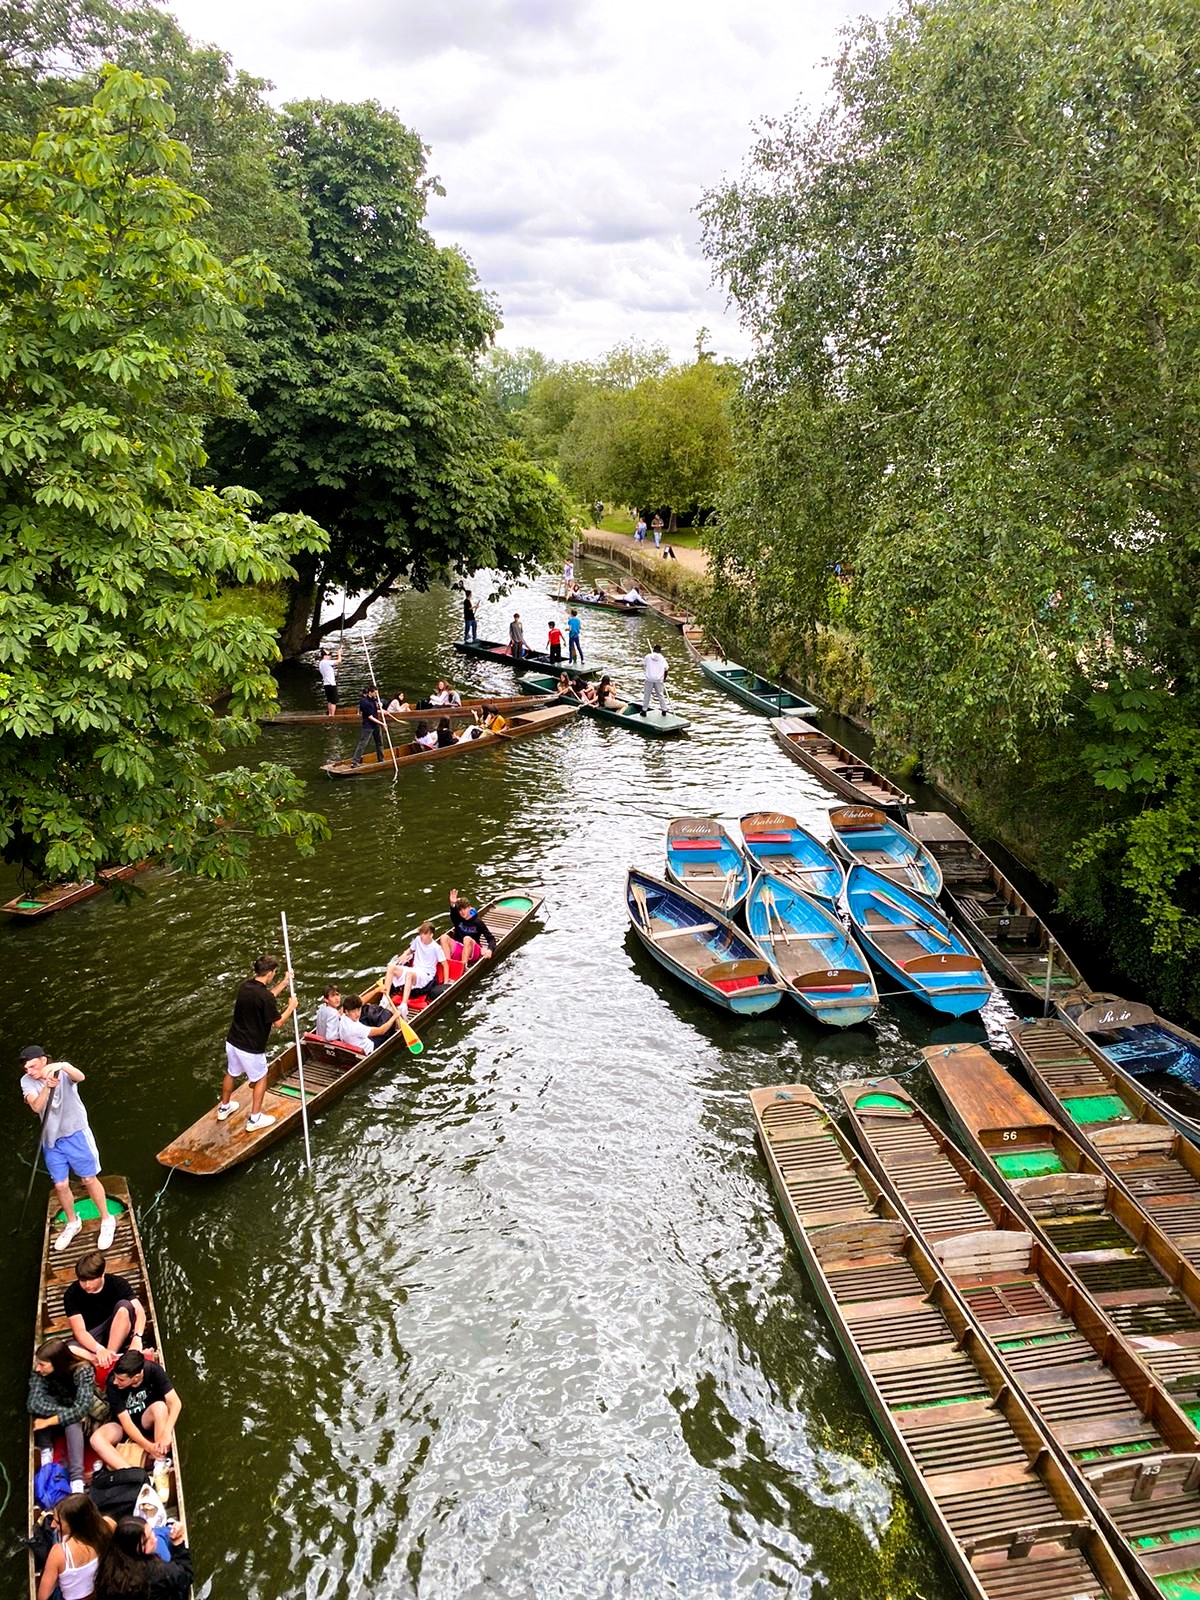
[(113, 644), (366, 406)]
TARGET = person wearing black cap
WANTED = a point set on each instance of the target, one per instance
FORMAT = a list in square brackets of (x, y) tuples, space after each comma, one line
[(51, 1093)]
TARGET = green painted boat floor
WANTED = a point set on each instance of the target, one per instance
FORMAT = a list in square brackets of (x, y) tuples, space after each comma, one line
[(516, 902), (1180, 1585), (882, 1102), (1029, 1163), (292, 1092), (1087, 1109), (1112, 1451), (87, 1209)]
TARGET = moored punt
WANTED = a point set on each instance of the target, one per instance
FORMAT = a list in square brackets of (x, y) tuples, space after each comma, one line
[(1009, 1519), (700, 946), (413, 754), (506, 705), (776, 843), (210, 1147), (822, 967), (598, 601), (694, 641), (703, 859), (864, 834), (126, 1258), (625, 713), (1093, 1394), (760, 694), (1163, 1057), (531, 661), (905, 935), (995, 916), (58, 896), (842, 771)]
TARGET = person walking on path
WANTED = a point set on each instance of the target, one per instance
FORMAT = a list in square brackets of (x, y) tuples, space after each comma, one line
[(657, 529), (516, 637), (51, 1090), (255, 1013), (372, 721), (574, 638), (639, 532), (655, 668), (470, 625), (327, 666)]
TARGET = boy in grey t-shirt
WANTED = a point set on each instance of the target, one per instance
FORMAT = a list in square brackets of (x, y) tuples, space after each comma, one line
[(51, 1093)]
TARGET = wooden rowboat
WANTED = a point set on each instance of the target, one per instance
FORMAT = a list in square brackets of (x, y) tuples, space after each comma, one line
[(864, 834), (412, 754), (506, 705), (127, 1259), (838, 768), (531, 661), (776, 843), (703, 860), (699, 946), (1093, 1394), (905, 935), (58, 896), (759, 693), (994, 915), (626, 713), (1008, 1517), (210, 1147), (628, 608), (1160, 1056), (824, 970)]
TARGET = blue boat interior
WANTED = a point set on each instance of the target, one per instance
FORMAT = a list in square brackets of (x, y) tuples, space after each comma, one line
[(694, 950), (710, 866), (911, 940), (797, 915), (780, 848)]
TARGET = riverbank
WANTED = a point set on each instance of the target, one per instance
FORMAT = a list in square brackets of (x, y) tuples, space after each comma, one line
[(684, 580)]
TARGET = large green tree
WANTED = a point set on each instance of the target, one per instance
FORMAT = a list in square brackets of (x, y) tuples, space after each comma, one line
[(114, 643), (973, 285), (366, 405)]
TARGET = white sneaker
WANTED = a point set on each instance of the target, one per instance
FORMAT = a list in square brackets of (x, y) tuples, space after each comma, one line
[(108, 1232), (68, 1233), (225, 1111), (76, 1485), (259, 1119)]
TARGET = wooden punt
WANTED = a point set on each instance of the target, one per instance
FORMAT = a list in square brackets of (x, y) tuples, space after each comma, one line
[(776, 843), (1010, 1520), (506, 705), (601, 601), (531, 661), (1095, 1397), (699, 946), (703, 859), (840, 769), (864, 834), (627, 713), (1160, 1056), (411, 754), (694, 641), (126, 1258), (823, 969), (58, 896), (209, 1147), (994, 915), (759, 693), (905, 935)]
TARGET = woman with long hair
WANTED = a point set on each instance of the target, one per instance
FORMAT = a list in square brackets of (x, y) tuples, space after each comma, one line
[(132, 1568), (83, 1539), (61, 1392)]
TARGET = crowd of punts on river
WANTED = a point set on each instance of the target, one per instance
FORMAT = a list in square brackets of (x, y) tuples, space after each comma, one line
[(1018, 1299)]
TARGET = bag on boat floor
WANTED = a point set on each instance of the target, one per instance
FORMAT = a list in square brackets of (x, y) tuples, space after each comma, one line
[(40, 1542), (116, 1492), (51, 1485), (375, 1016)]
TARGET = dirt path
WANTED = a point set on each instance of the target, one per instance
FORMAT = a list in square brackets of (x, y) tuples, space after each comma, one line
[(624, 546)]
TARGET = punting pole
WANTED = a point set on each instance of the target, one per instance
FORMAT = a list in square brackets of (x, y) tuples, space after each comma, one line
[(1049, 970), (287, 956), (387, 727)]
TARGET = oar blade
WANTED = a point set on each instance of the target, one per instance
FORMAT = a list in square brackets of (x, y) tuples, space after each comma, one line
[(410, 1038)]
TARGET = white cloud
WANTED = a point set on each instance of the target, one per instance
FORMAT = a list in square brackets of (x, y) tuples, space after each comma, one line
[(574, 139)]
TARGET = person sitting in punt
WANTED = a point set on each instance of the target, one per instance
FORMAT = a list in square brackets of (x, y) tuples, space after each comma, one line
[(84, 1536), (425, 737), (444, 695), (132, 1565), (586, 693), (414, 975), (468, 931), (492, 720), (633, 596), (145, 1407), (398, 703), (104, 1314), (473, 730), (607, 697), (565, 687), (329, 1012), (354, 1030), (62, 1391), (445, 734)]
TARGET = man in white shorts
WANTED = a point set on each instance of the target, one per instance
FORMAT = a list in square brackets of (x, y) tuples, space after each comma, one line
[(327, 666), (255, 1013), (415, 972)]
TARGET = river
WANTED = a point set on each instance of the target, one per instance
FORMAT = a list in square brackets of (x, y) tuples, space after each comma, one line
[(533, 1327)]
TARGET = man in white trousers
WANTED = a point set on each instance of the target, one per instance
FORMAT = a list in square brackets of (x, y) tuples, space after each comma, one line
[(655, 668)]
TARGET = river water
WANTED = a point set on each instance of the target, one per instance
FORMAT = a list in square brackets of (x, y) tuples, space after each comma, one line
[(532, 1327)]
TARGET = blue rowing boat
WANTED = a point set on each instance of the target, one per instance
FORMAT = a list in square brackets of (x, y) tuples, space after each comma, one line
[(909, 940), (700, 947), (703, 859), (822, 967), (777, 843), (1162, 1058), (865, 835)]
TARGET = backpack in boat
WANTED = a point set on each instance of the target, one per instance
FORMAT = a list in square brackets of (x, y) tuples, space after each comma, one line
[(375, 1016), (51, 1485), (115, 1492), (40, 1543)]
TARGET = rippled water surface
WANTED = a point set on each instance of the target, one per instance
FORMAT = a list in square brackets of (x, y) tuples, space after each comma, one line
[(532, 1327)]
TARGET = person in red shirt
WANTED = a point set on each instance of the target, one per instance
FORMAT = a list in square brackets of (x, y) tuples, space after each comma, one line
[(556, 642)]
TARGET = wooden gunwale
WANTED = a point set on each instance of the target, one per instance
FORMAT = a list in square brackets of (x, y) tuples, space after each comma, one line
[(209, 1147), (125, 1257), (522, 726), (760, 694), (504, 704), (967, 869), (969, 1445), (829, 761), (692, 962)]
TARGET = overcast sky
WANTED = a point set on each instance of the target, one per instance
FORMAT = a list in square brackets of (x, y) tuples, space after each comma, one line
[(574, 137)]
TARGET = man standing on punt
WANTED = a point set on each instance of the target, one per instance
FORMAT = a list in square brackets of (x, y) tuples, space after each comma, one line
[(655, 683), (51, 1092), (255, 1013)]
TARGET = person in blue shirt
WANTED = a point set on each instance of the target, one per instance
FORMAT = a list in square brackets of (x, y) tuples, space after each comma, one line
[(574, 639)]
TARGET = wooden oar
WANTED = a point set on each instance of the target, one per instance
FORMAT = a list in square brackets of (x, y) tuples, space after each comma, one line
[(287, 956), (905, 912), (730, 880), (639, 900)]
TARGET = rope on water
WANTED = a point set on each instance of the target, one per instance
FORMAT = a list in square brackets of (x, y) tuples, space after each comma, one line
[(146, 1213), (7, 1489)]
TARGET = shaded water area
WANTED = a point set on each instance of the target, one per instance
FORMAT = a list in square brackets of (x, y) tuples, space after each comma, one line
[(533, 1327)]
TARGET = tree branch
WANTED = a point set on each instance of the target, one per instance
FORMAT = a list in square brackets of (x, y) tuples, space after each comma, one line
[(325, 628)]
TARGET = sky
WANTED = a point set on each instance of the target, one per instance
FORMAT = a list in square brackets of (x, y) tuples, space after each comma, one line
[(574, 138)]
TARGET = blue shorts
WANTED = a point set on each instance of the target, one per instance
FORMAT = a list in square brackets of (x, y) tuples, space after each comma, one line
[(74, 1152)]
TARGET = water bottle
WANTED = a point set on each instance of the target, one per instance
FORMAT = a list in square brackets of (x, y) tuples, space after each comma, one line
[(161, 1478)]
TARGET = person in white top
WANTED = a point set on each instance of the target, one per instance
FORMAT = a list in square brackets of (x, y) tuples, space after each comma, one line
[(353, 1030), (655, 669), (327, 666), (329, 1013), (398, 703), (73, 1562), (634, 597), (419, 965)]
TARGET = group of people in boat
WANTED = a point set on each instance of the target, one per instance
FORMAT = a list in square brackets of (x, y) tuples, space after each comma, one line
[(605, 697), (373, 714)]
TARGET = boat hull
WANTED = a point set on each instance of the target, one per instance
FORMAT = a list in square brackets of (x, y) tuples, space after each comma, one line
[(718, 961), (703, 860), (824, 971), (776, 843), (506, 705), (836, 767), (522, 726), (531, 661), (759, 694), (655, 724), (864, 834), (906, 938)]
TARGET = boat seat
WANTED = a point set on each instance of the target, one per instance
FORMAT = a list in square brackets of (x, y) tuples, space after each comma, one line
[(319, 1049), (767, 838), (659, 934), (695, 844)]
